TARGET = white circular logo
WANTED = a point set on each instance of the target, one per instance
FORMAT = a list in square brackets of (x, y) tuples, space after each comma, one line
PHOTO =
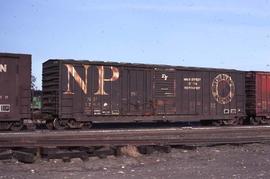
[(223, 88)]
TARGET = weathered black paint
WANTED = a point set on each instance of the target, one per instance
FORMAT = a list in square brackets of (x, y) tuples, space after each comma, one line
[(142, 92)]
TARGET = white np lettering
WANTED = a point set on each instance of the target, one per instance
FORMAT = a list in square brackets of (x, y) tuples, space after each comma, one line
[(3, 68)]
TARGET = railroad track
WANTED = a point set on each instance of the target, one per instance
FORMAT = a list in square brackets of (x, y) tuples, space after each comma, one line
[(119, 137)]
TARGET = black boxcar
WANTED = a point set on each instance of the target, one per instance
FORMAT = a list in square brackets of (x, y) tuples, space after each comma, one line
[(258, 97), (15, 91), (77, 92)]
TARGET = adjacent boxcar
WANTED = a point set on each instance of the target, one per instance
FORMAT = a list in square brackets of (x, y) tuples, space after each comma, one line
[(79, 92), (258, 96), (15, 92)]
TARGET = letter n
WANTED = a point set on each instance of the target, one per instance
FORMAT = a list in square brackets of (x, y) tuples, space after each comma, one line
[(82, 83)]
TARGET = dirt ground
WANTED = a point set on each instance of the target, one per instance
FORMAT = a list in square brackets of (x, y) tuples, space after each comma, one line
[(227, 161)]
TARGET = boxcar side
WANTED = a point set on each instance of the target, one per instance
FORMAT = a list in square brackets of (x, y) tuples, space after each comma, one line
[(15, 91), (84, 91)]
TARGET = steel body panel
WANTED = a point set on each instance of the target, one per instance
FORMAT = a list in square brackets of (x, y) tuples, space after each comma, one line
[(258, 91), (104, 91), (15, 82), (197, 98)]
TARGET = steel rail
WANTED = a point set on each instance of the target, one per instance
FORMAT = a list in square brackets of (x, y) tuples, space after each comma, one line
[(118, 137)]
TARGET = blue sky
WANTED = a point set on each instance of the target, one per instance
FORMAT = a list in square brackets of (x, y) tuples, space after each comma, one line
[(209, 33)]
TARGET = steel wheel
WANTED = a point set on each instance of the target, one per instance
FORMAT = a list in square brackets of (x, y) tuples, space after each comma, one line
[(73, 124), (254, 121), (87, 125), (233, 122), (16, 126), (49, 125), (59, 124), (265, 121)]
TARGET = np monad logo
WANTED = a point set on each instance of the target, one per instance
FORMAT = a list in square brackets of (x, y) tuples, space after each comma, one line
[(223, 88), (3, 68)]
